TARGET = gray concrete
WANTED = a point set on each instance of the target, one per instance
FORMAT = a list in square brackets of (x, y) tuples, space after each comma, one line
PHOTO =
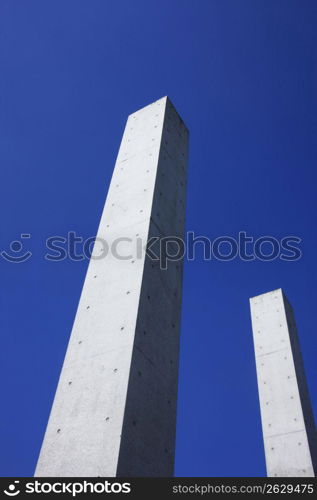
[(287, 419), (114, 411)]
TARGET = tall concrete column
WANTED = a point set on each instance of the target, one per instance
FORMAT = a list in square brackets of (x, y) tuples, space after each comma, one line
[(289, 432), (114, 412)]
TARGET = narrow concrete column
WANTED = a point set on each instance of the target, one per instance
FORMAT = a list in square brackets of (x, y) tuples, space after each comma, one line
[(114, 412), (287, 419)]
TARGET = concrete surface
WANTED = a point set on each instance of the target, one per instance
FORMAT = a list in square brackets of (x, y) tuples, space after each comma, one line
[(287, 419), (114, 411)]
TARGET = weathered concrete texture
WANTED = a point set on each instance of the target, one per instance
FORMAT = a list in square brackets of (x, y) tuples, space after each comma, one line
[(114, 411), (287, 419)]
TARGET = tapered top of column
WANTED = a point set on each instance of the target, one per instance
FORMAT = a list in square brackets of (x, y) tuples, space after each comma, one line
[(163, 101), (277, 291)]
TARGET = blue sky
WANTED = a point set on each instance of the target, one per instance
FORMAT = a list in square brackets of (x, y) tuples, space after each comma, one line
[(242, 74)]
